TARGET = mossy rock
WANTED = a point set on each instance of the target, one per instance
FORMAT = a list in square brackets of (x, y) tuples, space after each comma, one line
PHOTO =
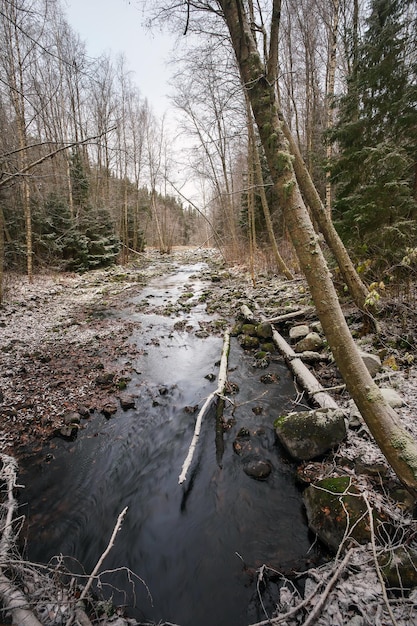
[(236, 330), (335, 508), (248, 343), (309, 434), (268, 347), (264, 330), (249, 329), (399, 567)]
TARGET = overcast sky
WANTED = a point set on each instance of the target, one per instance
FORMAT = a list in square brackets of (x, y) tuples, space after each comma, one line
[(116, 26)]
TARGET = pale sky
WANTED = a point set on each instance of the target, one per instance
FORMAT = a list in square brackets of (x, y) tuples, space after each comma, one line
[(116, 26)]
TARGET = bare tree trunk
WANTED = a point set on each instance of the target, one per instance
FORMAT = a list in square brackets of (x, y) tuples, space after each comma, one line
[(330, 86), (396, 444), (265, 207)]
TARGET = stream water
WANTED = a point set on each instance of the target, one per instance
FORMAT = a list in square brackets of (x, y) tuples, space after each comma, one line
[(196, 546)]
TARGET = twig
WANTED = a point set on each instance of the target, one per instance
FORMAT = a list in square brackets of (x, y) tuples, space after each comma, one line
[(377, 568), (218, 392), (105, 553), (318, 607)]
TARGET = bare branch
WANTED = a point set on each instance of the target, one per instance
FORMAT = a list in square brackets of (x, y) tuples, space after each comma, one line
[(50, 155)]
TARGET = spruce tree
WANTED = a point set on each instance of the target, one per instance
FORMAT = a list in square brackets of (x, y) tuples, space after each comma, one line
[(375, 205)]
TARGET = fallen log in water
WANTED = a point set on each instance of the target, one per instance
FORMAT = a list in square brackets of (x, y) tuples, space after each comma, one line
[(305, 377), (221, 384)]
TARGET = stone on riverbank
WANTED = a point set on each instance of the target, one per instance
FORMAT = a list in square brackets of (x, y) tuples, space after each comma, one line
[(127, 401), (372, 362), (311, 343), (71, 425), (309, 434), (399, 567), (334, 506), (299, 332)]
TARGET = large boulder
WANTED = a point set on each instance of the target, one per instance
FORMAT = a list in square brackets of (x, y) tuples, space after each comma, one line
[(309, 434), (336, 510)]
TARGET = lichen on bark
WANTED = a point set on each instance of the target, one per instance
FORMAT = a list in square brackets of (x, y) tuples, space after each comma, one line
[(405, 444)]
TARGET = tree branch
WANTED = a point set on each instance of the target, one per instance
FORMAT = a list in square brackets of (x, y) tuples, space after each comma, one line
[(50, 155), (219, 391)]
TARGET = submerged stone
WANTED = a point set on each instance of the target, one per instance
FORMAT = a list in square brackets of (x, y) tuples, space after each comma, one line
[(248, 343), (259, 469), (308, 434)]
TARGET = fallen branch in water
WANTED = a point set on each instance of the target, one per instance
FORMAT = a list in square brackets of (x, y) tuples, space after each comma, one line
[(221, 384), (105, 553)]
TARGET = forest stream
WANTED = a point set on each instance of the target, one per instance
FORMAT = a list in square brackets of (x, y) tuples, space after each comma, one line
[(194, 549)]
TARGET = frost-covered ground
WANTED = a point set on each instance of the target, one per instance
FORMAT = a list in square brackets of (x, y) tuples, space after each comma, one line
[(53, 342)]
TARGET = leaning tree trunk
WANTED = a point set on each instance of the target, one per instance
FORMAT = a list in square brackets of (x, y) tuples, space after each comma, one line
[(396, 444), (356, 287)]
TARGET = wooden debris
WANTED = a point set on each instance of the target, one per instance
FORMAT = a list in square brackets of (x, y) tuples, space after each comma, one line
[(222, 379)]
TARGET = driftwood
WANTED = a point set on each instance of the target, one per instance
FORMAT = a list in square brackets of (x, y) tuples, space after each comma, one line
[(308, 381), (285, 317), (221, 384)]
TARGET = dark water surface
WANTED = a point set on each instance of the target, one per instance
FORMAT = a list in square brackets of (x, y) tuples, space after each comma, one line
[(197, 545)]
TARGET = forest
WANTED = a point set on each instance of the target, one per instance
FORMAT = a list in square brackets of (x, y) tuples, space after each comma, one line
[(298, 130), (87, 171)]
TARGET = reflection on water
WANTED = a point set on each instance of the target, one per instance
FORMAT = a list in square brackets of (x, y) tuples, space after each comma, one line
[(197, 546)]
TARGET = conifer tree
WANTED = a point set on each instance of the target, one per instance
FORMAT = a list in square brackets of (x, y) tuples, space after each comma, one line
[(375, 206)]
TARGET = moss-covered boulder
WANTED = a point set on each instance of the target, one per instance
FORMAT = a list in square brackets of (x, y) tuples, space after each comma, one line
[(399, 567), (264, 330), (249, 329), (309, 434), (336, 510), (248, 342)]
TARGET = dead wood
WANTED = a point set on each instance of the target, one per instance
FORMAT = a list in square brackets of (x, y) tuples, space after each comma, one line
[(221, 384), (285, 317)]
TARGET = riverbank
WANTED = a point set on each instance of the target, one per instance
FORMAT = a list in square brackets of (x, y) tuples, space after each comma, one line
[(63, 352)]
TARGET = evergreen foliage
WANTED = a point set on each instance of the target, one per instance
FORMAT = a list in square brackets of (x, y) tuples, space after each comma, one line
[(375, 206)]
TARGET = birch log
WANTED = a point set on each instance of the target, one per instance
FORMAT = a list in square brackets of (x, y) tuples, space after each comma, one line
[(308, 381), (221, 384)]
